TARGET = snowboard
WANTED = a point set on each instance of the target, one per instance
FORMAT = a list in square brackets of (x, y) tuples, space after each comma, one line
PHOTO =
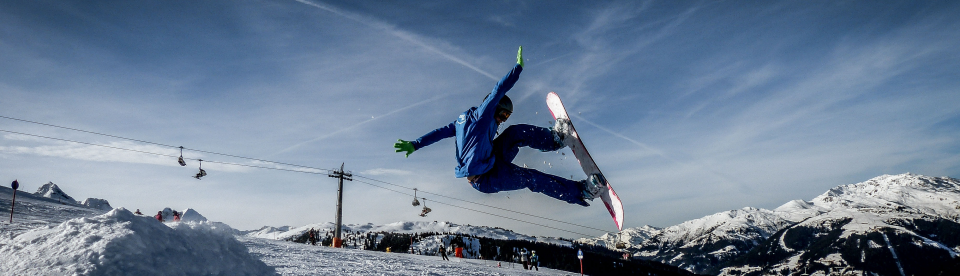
[(609, 196)]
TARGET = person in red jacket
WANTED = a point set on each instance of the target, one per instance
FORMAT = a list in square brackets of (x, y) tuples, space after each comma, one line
[(159, 216), (176, 216)]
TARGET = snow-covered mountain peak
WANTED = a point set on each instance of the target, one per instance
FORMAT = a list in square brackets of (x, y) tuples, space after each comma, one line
[(902, 193), (52, 191)]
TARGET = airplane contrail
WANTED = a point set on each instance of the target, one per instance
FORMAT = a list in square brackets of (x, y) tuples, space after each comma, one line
[(407, 36)]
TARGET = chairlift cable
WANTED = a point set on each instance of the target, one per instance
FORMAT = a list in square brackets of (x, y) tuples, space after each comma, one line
[(479, 211), (161, 154), (161, 144), (485, 205), (309, 172)]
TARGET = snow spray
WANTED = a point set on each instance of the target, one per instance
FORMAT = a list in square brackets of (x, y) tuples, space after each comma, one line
[(13, 185)]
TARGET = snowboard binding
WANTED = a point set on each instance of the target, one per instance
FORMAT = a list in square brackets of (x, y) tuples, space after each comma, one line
[(561, 131), (593, 186)]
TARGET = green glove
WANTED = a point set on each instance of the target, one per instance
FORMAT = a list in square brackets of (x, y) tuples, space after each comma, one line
[(520, 56), (406, 146)]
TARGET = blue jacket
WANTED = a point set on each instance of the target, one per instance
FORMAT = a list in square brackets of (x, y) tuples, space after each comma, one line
[(475, 130)]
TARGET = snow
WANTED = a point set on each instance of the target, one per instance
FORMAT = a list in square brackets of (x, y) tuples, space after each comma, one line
[(50, 238), (191, 215), (300, 259), (96, 203), (406, 227), (630, 237), (120, 242), (51, 191)]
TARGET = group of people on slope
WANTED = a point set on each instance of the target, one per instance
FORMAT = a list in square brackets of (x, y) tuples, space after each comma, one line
[(530, 260), (159, 216)]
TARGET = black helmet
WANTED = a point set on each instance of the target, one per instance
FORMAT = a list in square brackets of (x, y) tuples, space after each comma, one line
[(504, 104)]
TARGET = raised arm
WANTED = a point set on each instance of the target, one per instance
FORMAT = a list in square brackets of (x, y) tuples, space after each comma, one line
[(489, 105), (425, 140)]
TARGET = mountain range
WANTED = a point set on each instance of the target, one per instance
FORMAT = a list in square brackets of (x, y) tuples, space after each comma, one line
[(903, 224)]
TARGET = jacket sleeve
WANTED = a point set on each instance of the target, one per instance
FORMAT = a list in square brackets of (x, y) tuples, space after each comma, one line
[(434, 136), (489, 105)]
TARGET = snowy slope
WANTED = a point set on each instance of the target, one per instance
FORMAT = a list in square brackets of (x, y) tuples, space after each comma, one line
[(629, 236), (891, 225), (50, 238), (52, 191), (910, 209), (96, 203), (120, 242), (408, 227), (300, 259)]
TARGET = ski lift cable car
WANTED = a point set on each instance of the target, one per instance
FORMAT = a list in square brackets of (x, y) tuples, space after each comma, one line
[(425, 209), (620, 243), (180, 160), (202, 173), (415, 201)]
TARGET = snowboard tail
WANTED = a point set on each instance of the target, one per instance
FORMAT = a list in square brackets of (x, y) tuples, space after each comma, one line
[(609, 196)]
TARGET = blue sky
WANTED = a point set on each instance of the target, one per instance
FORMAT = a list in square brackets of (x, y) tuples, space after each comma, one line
[(689, 107)]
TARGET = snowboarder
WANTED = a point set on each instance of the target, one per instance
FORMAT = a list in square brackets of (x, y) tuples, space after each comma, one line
[(138, 213), (159, 216), (486, 162), (443, 252), (176, 216), (535, 260)]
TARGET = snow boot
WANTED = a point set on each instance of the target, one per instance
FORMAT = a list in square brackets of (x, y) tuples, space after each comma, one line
[(592, 186), (561, 131)]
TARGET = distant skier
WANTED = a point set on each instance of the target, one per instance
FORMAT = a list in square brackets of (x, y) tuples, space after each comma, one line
[(534, 260), (523, 258), (176, 216), (159, 216), (443, 252), (487, 162), (138, 213)]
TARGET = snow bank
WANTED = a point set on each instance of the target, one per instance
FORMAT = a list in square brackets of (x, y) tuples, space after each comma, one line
[(96, 203), (121, 243)]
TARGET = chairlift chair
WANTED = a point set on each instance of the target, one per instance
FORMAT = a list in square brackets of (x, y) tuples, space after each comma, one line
[(180, 160), (620, 243), (415, 201), (425, 209), (202, 173)]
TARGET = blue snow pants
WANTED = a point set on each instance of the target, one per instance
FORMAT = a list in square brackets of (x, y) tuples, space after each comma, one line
[(505, 176)]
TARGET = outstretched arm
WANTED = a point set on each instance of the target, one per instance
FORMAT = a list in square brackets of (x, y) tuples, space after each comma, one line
[(489, 105), (425, 140)]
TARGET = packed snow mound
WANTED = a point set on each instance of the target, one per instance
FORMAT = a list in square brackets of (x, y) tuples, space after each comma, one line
[(121, 243), (51, 191), (96, 203)]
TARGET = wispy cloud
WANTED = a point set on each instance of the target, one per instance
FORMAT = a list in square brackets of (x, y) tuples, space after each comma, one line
[(425, 43), (354, 126), (383, 171)]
